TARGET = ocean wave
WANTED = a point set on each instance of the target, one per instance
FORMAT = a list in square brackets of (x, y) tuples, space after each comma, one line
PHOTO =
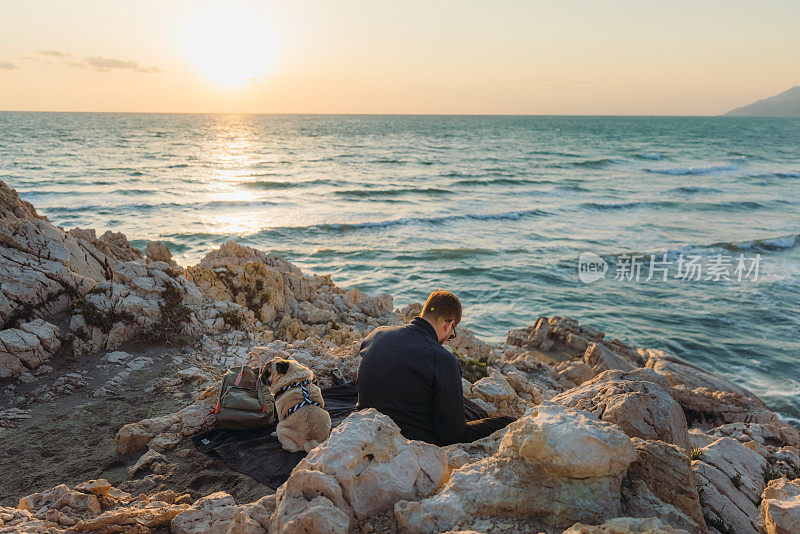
[(682, 171), (129, 192), (499, 171), (501, 181), (367, 193), (650, 155), (353, 254), (197, 237), (178, 166), (590, 163), (456, 174), (554, 153), (265, 164), (156, 206), (694, 189), (763, 245), (603, 206), (731, 205), (571, 187), (388, 161), (436, 221), (40, 193), (767, 244), (444, 254), (770, 177), (274, 184), (234, 204)]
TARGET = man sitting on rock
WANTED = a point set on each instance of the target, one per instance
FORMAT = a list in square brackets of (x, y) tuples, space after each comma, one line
[(407, 374)]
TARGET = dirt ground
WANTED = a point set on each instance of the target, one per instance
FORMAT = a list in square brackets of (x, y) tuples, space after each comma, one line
[(70, 439)]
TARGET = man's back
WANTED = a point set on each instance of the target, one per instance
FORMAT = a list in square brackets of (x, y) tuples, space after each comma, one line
[(408, 375)]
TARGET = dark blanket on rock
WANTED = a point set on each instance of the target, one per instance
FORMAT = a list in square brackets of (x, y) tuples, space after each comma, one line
[(259, 454)]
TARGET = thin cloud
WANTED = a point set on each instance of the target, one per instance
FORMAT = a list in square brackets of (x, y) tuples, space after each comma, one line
[(54, 53), (5, 65), (98, 63), (104, 64)]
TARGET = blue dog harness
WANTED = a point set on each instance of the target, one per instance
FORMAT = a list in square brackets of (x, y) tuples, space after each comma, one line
[(306, 398)]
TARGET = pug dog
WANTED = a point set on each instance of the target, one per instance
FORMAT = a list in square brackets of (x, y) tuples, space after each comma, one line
[(302, 421)]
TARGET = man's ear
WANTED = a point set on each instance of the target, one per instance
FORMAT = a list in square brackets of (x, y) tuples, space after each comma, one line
[(282, 367)]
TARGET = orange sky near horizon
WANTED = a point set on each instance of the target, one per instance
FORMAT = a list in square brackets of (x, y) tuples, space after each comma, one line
[(614, 57)]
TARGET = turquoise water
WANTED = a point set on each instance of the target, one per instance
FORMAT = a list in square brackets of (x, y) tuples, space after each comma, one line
[(497, 209)]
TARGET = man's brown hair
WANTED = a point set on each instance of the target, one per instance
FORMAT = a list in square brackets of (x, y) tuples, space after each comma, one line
[(443, 304)]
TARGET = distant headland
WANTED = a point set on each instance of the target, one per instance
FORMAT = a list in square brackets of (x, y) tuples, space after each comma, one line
[(786, 104)]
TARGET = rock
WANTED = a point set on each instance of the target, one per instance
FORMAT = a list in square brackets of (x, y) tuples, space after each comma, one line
[(600, 358), (290, 304), (9, 365), (19, 348), (138, 363), (639, 401), (106, 494), (466, 343), (136, 436), (407, 313), (626, 525), (140, 516), (780, 507), (776, 433), (522, 384), (735, 460), (374, 465), (159, 251), (164, 442), (377, 306), (708, 400), (46, 332), (661, 482), (118, 357), (722, 502), (253, 518), (13, 519), (575, 372), (113, 245), (569, 443), (499, 396), (555, 334), (551, 455), (311, 501), (731, 503), (61, 505), (39, 261), (10, 417), (145, 461), (211, 514)]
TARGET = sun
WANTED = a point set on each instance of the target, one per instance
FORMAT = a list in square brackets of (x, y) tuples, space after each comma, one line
[(230, 43)]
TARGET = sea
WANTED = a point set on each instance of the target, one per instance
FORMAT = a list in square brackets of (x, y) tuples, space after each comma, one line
[(676, 233)]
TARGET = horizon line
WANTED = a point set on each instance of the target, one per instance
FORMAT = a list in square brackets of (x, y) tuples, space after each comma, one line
[(385, 114)]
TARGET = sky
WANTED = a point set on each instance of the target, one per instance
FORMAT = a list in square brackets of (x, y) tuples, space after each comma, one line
[(583, 57)]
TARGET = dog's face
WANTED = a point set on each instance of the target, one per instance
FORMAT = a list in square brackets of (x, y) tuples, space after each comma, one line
[(283, 372)]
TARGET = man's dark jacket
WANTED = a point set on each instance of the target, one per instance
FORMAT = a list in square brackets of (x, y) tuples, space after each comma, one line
[(408, 375)]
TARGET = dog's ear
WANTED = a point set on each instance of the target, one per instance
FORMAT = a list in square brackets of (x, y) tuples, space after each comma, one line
[(282, 367)]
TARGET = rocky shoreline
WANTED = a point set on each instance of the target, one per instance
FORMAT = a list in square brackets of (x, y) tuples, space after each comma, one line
[(110, 359)]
